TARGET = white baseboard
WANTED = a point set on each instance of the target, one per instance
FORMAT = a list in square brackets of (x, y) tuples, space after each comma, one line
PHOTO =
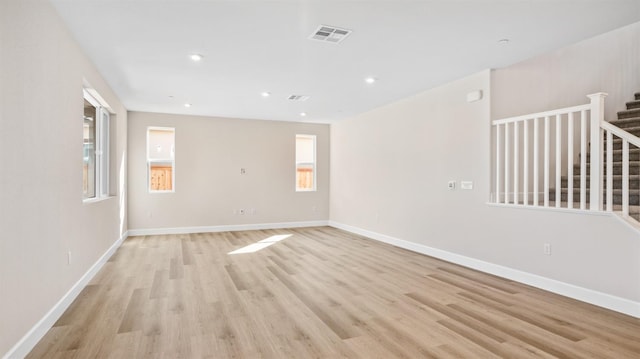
[(600, 299), (225, 228), (33, 336)]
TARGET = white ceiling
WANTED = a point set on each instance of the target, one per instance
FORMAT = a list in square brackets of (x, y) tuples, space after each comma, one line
[(142, 48)]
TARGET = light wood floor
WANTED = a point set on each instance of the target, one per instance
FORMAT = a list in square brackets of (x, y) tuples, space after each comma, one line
[(321, 293)]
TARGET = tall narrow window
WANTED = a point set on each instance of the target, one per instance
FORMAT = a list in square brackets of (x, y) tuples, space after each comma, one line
[(161, 159), (95, 148), (305, 162)]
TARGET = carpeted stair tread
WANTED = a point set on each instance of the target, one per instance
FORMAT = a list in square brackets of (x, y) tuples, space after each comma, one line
[(615, 191), (633, 166), (617, 142), (634, 181), (615, 177), (629, 113), (635, 130), (633, 104), (634, 154), (626, 122), (634, 195)]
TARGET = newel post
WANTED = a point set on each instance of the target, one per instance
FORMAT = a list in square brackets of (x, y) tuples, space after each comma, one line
[(597, 117)]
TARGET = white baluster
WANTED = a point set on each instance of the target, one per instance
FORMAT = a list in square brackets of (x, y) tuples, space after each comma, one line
[(536, 161), (516, 168), (609, 171), (625, 177), (526, 163), (546, 161), (570, 161), (583, 159), (558, 160), (507, 148), (498, 173)]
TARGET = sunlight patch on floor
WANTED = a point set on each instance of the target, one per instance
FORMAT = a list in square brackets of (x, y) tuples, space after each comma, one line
[(254, 247)]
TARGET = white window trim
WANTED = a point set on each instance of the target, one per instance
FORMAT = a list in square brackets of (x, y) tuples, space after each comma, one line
[(312, 164), (102, 145), (172, 161)]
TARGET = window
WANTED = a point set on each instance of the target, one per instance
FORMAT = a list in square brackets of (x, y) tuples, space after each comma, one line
[(161, 159), (305, 163), (95, 148)]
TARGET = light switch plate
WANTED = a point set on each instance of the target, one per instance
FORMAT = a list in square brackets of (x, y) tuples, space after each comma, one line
[(466, 184)]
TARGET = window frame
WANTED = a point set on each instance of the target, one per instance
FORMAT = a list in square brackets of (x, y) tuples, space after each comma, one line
[(313, 164), (101, 151), (171, 161)]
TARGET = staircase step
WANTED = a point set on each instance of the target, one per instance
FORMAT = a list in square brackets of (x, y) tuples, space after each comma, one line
[(634, 168), (627, 122), (617, 143), (634, 155), (633, 104), (634, 130), (634, 181), (634, 195), (629, 113)]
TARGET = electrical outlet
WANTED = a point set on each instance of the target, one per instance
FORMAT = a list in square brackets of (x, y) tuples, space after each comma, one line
[(547, 249), (69, 257), (241, 211), (451, 185), (243, 171)]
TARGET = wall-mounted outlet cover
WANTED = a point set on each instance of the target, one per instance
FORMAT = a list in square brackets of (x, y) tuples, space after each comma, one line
[(466, 185), (451, 185)]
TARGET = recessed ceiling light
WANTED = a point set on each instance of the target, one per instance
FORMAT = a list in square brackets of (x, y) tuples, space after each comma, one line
[(303, 114), (187, 105), (370, 80), (266, 94), (196, 57), (503, 41)]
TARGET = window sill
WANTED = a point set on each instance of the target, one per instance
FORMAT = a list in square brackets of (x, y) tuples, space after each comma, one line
[(96, 199)]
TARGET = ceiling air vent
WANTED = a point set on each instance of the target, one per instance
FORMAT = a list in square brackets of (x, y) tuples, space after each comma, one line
[(298, 98), (330, 34)]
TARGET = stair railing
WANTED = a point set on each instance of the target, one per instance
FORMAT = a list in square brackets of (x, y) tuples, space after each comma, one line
[(519, 169), (627, 138)]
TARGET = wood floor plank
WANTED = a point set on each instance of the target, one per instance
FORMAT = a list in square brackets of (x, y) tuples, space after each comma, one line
[(319, 293)]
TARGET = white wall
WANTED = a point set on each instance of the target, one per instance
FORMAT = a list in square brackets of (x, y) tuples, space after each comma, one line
[(389, 173), (607, 63), (42, 215), (209, 187)]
